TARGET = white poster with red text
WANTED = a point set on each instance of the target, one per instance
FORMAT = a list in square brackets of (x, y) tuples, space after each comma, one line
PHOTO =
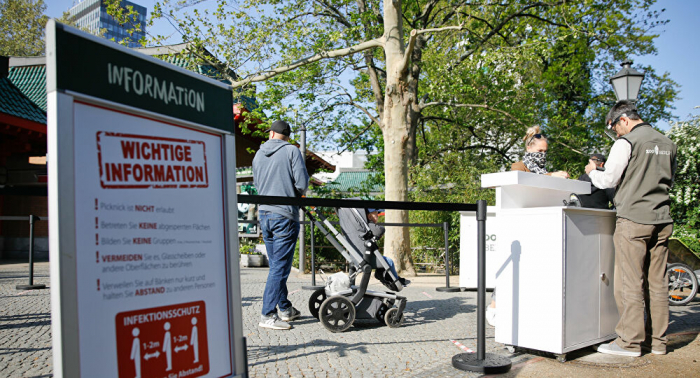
[(151, 248)]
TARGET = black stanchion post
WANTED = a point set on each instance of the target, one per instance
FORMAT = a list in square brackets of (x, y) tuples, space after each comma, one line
[(31, 286), (481, 361), (313, 257), (447, 288), (313, 261), (481, 288)]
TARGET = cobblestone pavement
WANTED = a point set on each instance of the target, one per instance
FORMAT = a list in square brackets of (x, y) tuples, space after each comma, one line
[(422, 347), (25, 323)]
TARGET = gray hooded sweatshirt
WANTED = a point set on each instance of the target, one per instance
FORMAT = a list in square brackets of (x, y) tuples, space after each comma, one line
[(279, 170)]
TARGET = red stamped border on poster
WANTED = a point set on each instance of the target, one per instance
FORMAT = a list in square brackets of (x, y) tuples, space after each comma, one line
[(129, 161), (167, 342)]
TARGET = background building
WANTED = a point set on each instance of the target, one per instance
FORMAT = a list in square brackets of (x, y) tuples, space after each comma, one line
[(92, 15)]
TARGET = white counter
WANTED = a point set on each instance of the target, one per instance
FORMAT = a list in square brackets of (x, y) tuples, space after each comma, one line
[(552, 265), (514, 189), (555, 282)]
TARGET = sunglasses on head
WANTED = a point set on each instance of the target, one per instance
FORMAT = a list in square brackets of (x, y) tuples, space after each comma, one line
[(616, 120), (536, 136)]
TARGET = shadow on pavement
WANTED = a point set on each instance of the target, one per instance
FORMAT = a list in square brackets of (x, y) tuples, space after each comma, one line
[(430, 311), (22, 350), (247, 301), (320, 346), (10, 318)]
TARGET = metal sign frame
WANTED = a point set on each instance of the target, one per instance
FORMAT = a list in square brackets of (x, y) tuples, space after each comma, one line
[(84, 86)]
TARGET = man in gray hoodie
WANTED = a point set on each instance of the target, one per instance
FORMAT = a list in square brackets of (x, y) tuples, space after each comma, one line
[(279, 170)]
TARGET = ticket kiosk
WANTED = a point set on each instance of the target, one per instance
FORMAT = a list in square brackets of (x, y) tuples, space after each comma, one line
[(553, 264)]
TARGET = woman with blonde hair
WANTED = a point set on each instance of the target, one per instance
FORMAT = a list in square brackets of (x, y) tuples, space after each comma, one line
[(533, 161), (536, 155)]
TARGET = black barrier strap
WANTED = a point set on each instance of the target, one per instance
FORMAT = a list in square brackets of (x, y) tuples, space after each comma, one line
[(378, 224), (351, 203)]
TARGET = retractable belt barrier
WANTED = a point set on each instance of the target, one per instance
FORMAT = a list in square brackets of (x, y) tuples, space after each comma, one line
[(353, 203), (480, 361), (444, 225)]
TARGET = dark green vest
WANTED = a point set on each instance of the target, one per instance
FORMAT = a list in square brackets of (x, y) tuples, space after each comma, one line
[(642, 195)]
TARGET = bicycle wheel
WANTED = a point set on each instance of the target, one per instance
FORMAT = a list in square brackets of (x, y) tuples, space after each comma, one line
[(682, 284)]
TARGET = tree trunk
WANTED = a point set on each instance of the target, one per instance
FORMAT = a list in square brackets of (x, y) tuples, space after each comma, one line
[(397, 243), (414, 112)]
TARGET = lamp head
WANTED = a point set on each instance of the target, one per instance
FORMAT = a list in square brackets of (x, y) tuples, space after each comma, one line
[(627, 82)]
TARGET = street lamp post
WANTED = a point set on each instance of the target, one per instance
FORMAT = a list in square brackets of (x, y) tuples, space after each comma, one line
[(627, 82)]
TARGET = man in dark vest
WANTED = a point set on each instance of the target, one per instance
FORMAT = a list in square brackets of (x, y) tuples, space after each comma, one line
[(599, 198), (641, 165)]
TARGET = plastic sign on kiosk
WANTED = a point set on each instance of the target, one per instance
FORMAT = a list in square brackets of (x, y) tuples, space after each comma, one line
[(141, 163)]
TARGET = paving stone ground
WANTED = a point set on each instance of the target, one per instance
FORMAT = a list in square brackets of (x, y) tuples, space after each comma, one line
[(25, 323), (422, 347)]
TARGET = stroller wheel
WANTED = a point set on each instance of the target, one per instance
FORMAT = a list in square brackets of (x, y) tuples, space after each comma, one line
[(393, 319), (381, 312), (315, 301), (337, 313)]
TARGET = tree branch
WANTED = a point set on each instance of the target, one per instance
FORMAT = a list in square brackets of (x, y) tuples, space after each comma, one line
[(311, 59), (357, 136), (336, 14), (495, 30), (486, 107), (427, 9), (471, 147), (569, 147), (449, 120), (412, 42), (407, 54), (456, 27), (363, 109)]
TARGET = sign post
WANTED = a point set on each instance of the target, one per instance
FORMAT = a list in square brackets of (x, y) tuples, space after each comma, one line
[(144, 278)]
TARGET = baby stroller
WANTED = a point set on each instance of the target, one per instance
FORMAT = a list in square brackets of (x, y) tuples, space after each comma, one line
[(341, 301)]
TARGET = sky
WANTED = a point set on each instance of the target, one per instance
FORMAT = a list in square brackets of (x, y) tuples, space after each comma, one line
[(678, 47)]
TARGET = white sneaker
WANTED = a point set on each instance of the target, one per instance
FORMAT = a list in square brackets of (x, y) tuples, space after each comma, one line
[(646, 348), (289, 315), (273, 322), (491, 315), (614, 349)]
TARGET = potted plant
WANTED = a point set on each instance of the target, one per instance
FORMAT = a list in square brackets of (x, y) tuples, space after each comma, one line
[(261, 248), (249, 256)]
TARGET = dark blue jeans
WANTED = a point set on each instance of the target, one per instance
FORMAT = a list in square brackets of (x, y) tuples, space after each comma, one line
[(280, 236), (392, 267)]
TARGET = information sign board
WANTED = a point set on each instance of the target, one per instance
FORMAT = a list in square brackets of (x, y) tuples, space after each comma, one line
[(143, 283)]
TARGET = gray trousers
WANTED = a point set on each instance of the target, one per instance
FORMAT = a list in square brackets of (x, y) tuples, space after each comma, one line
[(641, 284)]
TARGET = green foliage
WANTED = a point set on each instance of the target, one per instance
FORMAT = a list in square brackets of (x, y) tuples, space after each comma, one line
[(515, 64), (22, 25), (549, 70), (471, 92), (688, 236), (246, 246), (454, 178), (685, 205)]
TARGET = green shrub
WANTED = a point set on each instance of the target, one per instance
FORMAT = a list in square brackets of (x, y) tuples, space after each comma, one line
[(689, 237), (246, 246)]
